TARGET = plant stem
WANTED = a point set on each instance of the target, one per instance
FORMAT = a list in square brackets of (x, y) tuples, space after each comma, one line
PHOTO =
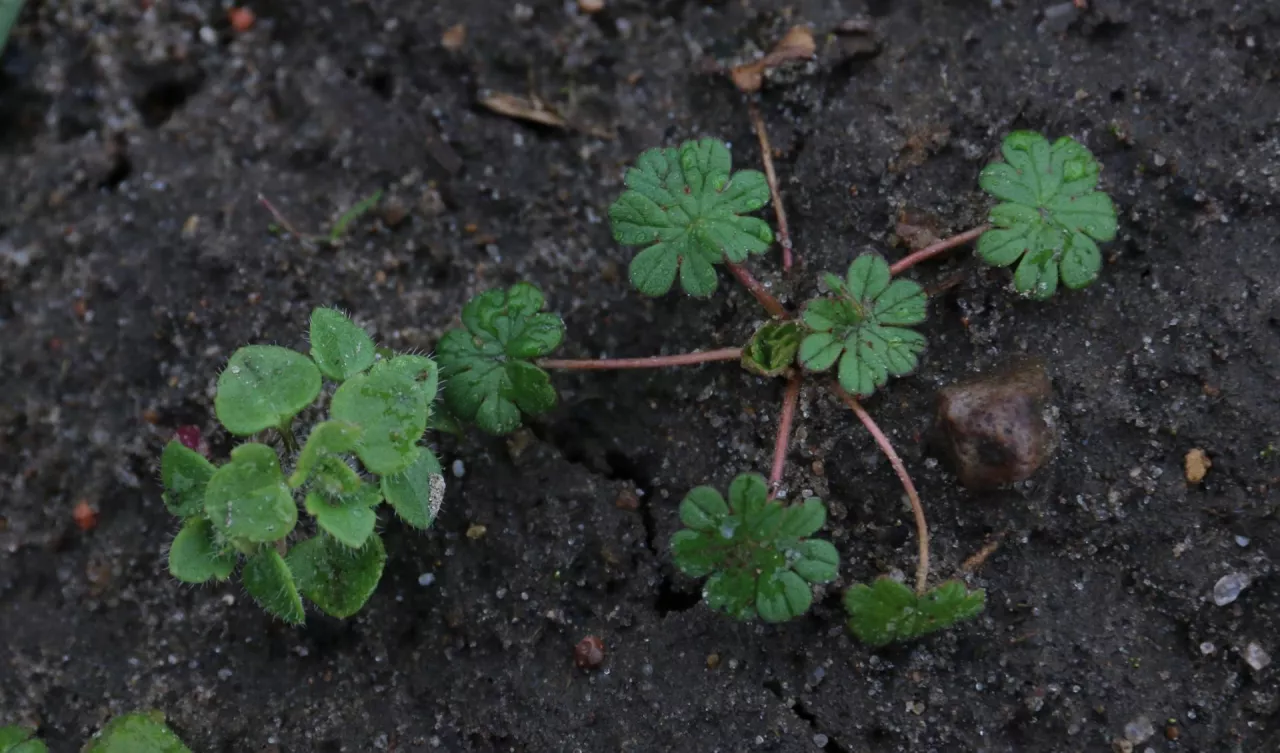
[(766, 156), (928, 252), (650, 362), (922, 528), (789, 401), (766, 299), (286, 435), (282, 220)]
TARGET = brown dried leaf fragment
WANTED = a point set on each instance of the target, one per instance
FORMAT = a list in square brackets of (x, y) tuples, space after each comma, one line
[(796, 44)]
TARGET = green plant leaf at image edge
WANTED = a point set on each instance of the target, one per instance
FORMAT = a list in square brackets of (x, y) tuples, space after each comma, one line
[(340, 348), (138, 732), (195, 557)]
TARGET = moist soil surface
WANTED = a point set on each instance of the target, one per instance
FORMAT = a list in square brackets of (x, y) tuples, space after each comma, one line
[(135, 139)]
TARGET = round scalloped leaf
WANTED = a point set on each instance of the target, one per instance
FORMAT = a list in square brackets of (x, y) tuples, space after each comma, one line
[(732, 592), (695, 554), (336, 579), (264, 386), (195, 557), (349, 520), (327, 439), (818, 561), (138, 732), (803, 520), (417, 493), (703, 509), (391, 412), (185, 475), (340, 348), (782, 596), (1081, 261), (248, 500), (270, 582), (877, 613)]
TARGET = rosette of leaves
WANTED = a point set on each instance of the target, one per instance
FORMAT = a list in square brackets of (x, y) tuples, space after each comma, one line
[(488, 364), (366, 453), (772, 349), (887, 611), (1051, 217), (864, 327), (686, 208), (755, 552)]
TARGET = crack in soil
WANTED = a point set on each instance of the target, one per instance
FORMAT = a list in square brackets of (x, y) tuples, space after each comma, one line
[(802, 712)]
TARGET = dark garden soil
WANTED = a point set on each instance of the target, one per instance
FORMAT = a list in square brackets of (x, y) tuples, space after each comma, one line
[(134, 257)]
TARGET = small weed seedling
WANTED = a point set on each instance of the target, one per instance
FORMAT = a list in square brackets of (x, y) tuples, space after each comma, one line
[(246, 509), (139, 732), (689, 213)]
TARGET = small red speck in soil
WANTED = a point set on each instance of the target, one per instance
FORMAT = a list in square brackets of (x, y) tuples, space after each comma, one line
[(85, 516), (589, 653), (189, 436), (242, 19)]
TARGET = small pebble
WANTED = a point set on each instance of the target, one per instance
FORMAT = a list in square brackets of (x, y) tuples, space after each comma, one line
[(820, 740), (1139, 730), (589, 653), (1242, 541), (1196, 465), (1228, 588), (591, 6), (459, 470), (476, 531), (713, 661), (1207, 648), (1256, 657), (426, 579), (85, 516)]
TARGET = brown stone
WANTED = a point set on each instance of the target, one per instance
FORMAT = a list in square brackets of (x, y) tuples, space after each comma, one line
[(995, 427)]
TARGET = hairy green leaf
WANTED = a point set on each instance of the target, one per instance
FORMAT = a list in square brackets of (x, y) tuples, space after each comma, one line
[(865, 327), (248, 500), (416, 493), (337, 579), (349, 519), (754, 549), (264, 386), (15, 739), (1051, 216), (391, 412), (888, 611), (489, 379), (686, 208), (196, 557), (421, 369), (772, 349), (139, 732), (270, 582), (185, 474), (328, 438), (340, 348)]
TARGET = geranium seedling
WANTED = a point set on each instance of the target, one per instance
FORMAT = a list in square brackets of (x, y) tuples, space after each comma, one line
[(756, 551), (246, 509), (686, 208), (1051, 214), (887, 611)]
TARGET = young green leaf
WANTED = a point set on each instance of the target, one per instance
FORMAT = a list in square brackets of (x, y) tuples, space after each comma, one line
[(264, 386), (357, 210), (328, 438), (15, 739), (337, 579), (184, 474), (686, 208), (391, 412), (422, 370), (487, 368), (888, 611), (350, 519), (865, 327), (1051, 217), (340, 348), (196, 557), (268, 580), (754, 549), (772, 349), (139, 732), (247, 499), (417, 492)]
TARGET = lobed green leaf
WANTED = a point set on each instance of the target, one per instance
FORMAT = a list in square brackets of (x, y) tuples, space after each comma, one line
[(339, 347), (335, 578), (686, 208), (138, 732), (248, 500), (263, 387), (185, 475), (268, 579), (888, 611)]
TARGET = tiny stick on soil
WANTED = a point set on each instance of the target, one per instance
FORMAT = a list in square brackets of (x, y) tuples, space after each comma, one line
[(766, 299), (650, 362), (928, 252), (281, 219), (922, 528), (789, 401), (766, 156)]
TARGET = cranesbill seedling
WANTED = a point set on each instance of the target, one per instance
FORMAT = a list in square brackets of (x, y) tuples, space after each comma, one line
[(367, 452)]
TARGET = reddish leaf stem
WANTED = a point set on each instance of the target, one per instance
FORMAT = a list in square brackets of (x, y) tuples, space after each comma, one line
[(650, 362), (928, 252), (922, 528), (766, 156), (281, 219), (789, 401), (766, 299)]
